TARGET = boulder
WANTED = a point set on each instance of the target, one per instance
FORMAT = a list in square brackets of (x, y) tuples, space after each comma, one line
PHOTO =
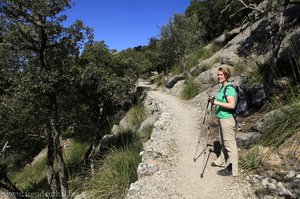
[(245, 140), (264, 122), (177, 88), (204, 65), (83, 195), (174, 80), (227, 36)]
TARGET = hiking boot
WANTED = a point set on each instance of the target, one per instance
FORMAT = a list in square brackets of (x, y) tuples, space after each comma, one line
[(225, 172), (213, 164)]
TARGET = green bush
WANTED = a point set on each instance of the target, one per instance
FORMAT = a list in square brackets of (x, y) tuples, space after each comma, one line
[(33, 177), (177, 69), (190, 90), (201, 54), (113, 178), (251, 159), (159, 80), (30, 177), (239, 68), (285, 123), (136, 115), (68, 133), (287, 120), (73, 156)]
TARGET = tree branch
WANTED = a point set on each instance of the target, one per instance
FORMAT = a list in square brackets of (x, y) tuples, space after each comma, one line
[(250, 6), (245, 6), (6, 146)]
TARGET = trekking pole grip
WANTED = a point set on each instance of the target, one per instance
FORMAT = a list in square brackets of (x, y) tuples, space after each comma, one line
[(208, 101)]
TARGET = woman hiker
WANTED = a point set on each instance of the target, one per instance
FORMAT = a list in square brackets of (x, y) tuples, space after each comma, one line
[(225, 104)]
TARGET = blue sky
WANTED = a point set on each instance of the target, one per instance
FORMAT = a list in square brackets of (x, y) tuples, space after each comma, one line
[(123, 24)]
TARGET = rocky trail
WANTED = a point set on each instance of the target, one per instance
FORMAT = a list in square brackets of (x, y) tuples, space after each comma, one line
[(173, 161)]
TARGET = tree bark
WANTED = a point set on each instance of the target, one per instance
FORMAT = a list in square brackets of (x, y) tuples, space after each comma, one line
[(90, 156), (277, 40), (7, 185), (54, 121), (50, 162)]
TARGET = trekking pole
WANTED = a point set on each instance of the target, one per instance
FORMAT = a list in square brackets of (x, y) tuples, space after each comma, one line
[(203, 151), (205, 160), (208, 101), (212, 104), (206, 110), (209, 151)]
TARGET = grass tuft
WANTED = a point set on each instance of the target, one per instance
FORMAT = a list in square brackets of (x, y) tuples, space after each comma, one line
[(136, 115), (32, 178), (190, 90), (177, 69), (284, 123), (114, 175), (29, 177), (239, 68), (160, 80), (251, 159), (201, 54)]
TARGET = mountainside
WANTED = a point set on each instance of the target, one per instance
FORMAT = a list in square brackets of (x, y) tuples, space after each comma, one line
[(264, 58), (98, 132)]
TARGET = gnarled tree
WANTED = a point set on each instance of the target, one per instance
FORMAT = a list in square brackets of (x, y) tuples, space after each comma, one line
[(46, 52)]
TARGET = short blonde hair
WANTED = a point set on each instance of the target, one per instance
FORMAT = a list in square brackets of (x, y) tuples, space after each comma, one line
[(226, 71)]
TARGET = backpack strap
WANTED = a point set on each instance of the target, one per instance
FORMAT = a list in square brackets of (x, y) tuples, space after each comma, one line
[(225, 88), (225, 96)]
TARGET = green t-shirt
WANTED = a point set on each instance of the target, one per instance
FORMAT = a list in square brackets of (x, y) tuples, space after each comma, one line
[(223, 113)]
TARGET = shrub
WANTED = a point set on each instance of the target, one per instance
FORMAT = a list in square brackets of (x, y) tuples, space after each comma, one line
[(177, 69), (159, 80), (30, 177), (285, 123), (239, 68), (136, 115), (190, 90), (201, 54), (113, 178), (73, 156), (251, 159), (68, 133)]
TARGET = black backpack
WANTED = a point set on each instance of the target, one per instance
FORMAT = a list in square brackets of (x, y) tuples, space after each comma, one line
[(241, 105)]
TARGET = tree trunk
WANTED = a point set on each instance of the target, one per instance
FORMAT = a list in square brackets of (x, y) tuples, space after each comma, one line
[(94, 150), (61, 168), (89, 157), (7, 185), (277, 40), (50, 162), (54, 121)]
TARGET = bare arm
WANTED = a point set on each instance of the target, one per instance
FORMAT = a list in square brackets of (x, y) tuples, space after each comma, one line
[(230, 104)]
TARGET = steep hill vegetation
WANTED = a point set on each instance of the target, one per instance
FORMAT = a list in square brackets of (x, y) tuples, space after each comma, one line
[(57, 83)]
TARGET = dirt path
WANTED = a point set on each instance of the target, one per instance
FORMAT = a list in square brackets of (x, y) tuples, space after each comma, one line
[(185, 130)]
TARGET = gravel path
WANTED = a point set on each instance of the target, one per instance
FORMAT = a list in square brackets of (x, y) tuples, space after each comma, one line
[(181, 163)]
